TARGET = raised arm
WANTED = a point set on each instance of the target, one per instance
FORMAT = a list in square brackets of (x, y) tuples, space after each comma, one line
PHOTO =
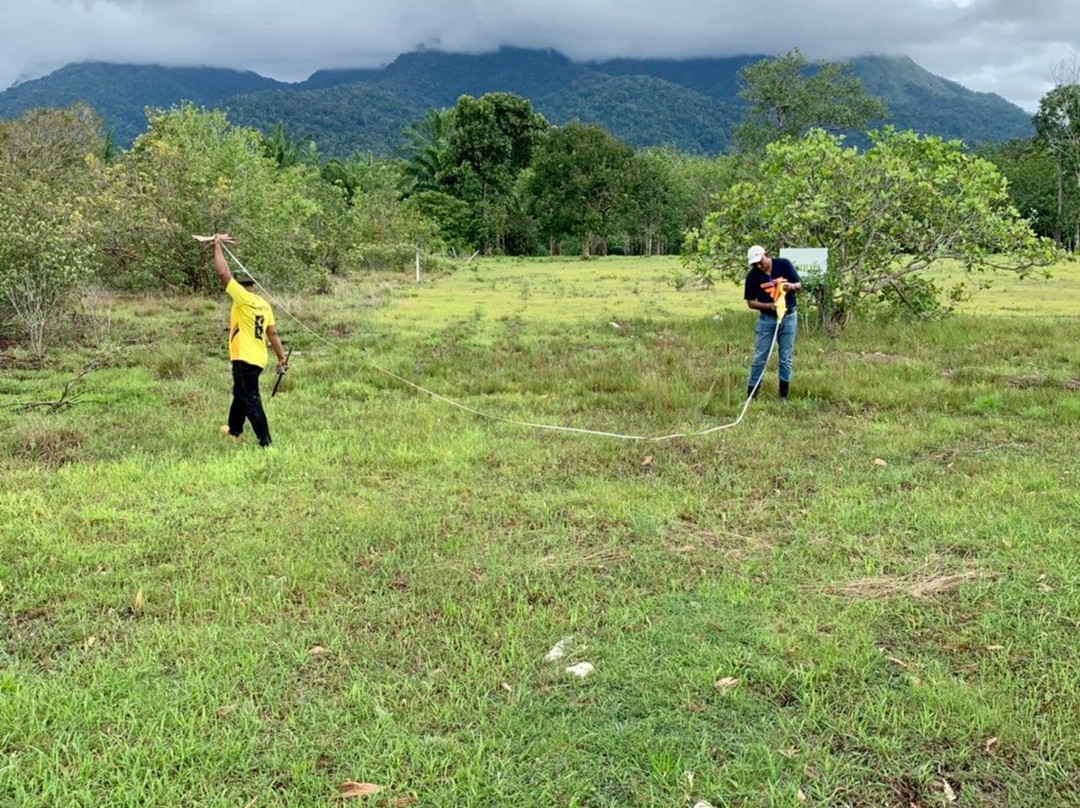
[(220, 264)]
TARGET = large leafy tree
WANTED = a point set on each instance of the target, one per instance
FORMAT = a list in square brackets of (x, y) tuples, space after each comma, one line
[(357, 175), (193, 172), (788, 97), (1052, 207), (1057, 124), (659, 204), (45, 256), (886, 216), (47, 142), (581, 184), (491, 141)]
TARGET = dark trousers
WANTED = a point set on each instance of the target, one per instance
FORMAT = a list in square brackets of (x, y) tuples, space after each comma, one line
[(246, 402)]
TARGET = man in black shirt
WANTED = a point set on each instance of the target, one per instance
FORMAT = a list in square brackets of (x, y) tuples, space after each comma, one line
[(767, 276)]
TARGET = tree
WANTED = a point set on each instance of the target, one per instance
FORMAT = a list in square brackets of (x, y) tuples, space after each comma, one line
[(705, 177), (490, 143), (287, 151), (192, 172), (1034, 186), (46, 143), (451, 218), (425, 151), (787, 100), (886, 216), (1057, 125), (659, 204), (45, 256), (353, 176), (581, 184), (47, 244)]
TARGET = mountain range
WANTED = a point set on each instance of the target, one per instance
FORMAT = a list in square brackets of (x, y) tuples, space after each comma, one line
[(692, 105)]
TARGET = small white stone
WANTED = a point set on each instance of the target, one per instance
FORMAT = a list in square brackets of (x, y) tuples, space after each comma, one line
[(558, 650), (581, 669)]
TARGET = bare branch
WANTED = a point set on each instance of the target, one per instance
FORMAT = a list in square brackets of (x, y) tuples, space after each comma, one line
[(1067, 70), (67, 399)]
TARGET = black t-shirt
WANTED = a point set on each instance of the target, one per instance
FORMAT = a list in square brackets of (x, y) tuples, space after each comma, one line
[(756, 278)]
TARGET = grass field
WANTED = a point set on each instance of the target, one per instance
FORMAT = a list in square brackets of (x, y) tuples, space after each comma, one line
[(867, 597)]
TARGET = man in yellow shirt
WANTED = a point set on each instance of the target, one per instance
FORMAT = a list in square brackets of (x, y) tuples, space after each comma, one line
[(251, 324)]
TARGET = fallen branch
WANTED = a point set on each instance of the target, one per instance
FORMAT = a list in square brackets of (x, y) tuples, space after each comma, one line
[(67, 399)]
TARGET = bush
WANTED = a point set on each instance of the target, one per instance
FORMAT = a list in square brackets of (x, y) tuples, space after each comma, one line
[(175, 363), (43, 258), (396, 258)]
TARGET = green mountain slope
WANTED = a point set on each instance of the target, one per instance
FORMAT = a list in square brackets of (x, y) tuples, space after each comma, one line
[(927, 103), (341, 119), (717, 78), (690, 104), (645, 111), (120, 93)]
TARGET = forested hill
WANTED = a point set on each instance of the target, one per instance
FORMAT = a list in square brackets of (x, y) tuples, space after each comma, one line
[(120, 93), (691, 104)]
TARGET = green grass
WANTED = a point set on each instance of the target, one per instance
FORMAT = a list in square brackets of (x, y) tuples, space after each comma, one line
[(887, 565)]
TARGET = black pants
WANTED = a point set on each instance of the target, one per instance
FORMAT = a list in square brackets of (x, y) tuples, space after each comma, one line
[(246, 402)]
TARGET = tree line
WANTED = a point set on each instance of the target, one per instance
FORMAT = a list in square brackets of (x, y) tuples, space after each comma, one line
[(1044, 171), (492, 175)]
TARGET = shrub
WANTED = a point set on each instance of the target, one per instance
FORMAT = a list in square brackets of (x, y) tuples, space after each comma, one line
[(43, 258), (396, 258)]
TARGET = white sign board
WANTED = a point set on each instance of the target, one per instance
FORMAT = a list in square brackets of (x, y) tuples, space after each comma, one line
[(809, 261)]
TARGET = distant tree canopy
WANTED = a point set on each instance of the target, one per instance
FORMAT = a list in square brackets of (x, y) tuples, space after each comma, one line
[(581, 184), (788, 98), (1057, 127), (492, 175), (427, 148), (1037, 189), (491, 141)]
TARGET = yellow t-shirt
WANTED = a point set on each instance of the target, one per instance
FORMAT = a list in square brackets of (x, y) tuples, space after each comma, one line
[(248, 321)]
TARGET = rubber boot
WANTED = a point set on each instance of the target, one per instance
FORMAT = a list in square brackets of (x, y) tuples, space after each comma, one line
[(784, 391), (752, 392)]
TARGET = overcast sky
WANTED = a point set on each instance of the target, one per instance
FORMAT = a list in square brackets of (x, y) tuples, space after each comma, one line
[(1008, 47)]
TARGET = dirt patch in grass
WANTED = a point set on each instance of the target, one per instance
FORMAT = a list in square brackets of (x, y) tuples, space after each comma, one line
[(908, 793), (36, 636), (880, 358), (592, 558), (686, 538), (53, 447), (1036, 381), (925, 582)]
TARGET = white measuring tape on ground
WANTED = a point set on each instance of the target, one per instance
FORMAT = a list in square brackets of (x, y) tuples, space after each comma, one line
[(501, 418)]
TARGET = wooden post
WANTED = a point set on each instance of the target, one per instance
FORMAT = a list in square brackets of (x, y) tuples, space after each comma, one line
[(418, 265)]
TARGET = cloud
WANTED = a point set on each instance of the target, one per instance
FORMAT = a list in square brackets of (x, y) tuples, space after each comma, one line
[(998, 46)]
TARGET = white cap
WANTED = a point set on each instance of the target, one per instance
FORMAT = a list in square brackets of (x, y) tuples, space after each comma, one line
[(755, 254)]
